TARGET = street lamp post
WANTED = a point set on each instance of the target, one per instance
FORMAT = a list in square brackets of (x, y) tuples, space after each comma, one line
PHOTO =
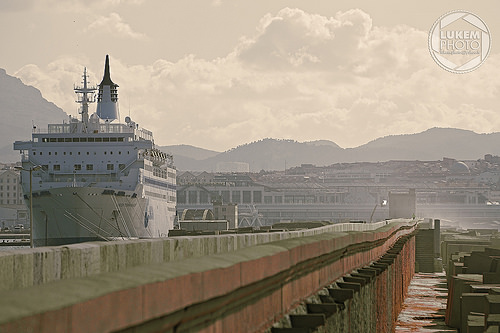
[(30, 170)]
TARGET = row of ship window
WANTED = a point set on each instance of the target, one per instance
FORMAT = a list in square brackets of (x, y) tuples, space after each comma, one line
[(120, 139), (78, 153), (88, 167)]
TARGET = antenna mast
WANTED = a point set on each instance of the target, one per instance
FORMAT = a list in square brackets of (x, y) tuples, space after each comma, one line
[(84, 100)]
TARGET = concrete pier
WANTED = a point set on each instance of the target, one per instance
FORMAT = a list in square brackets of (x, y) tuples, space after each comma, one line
[(233, 283)]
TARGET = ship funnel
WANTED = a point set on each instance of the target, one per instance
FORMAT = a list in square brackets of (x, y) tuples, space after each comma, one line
[(107, 97)]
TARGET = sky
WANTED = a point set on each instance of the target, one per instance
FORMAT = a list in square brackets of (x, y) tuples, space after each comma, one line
[(220, 73)]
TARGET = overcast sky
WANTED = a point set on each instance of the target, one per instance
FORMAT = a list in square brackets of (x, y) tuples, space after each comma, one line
[(220, 73)]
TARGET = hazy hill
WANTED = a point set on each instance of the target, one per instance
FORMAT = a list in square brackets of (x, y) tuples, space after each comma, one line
[(433, 144), (272, 154), (21, 107)]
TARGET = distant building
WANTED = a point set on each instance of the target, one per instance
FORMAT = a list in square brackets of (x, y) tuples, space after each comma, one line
[(233, 167), (226, 211), (402, 205), (10, 191), (12, 206), (201, 220)]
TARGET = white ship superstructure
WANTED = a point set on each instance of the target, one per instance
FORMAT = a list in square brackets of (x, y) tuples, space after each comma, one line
[(93, 179)]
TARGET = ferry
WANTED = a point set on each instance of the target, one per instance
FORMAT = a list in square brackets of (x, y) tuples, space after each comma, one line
[(95, 178)]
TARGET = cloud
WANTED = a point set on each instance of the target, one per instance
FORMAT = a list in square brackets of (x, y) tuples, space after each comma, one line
[(301, 76), (113, 24)]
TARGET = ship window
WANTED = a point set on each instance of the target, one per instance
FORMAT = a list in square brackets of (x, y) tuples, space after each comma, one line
[(76, 139), (55, 153), (98, 139), (120, 139), (112, 139), (78, 153), (34, 153), (58, 140), (40, 153), (83, 139), (64, 153), (105, 153), (105, 139), (111, 152), (67, 139), (90, 140), (87, 153), (111, 167), (57, 167), (119, 153), (78, 167), (121, 166), (90, 167), (50, 153), (71, 153), (52, 139)]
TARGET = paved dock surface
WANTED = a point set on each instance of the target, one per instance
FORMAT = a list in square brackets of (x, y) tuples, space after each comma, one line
[(425, 305)]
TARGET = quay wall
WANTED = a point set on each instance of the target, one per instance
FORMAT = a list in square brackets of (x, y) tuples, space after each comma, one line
[(368, 299), (245, 290), (30, 267)]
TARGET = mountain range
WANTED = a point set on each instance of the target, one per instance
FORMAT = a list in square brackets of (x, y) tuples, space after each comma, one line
[(272, 154), (24, 109)]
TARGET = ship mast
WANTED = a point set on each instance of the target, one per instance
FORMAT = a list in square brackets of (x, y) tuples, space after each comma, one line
[(84, 99)]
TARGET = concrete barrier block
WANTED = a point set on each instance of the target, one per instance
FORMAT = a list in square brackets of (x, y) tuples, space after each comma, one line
[(223, 243), (7, 275), (138, 252), (181, 246), (121, 254), (210, 245), (156, 250), (23, 268), (470, 302), (109, 257), (168, 249), (46, 265), (196, 247), (90, 259)]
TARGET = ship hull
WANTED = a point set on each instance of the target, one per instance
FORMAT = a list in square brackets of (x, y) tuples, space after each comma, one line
[(81, 214)]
